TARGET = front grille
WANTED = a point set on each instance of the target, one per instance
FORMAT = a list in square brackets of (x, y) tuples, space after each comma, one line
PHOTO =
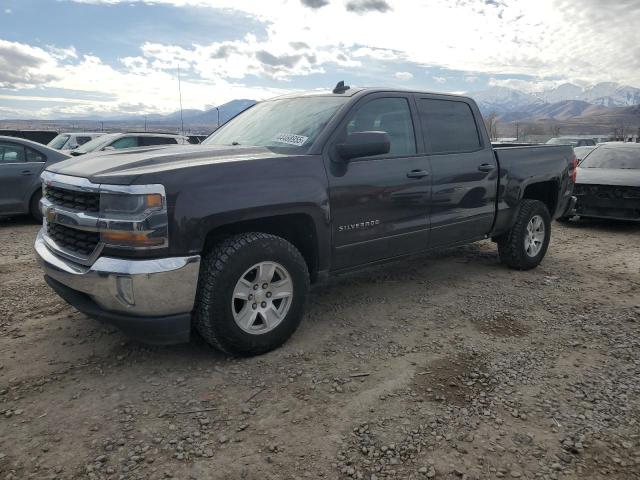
[(73, 199), (76, 241), (611, 192)]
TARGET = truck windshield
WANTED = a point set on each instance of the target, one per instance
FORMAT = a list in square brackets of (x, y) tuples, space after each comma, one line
[(606, 157), (287, 124)]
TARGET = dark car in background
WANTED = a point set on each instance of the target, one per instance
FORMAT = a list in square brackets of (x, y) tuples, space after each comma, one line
[(39, 136), (21, 162), (608, 183)]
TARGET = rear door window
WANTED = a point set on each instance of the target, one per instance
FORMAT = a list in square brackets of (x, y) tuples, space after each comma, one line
[(449, 126), (35, 156), (82, 140), (11, 153)]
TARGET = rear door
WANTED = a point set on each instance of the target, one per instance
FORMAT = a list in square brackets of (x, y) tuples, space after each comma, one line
[(379, 205), (464, 170), (17, 175)]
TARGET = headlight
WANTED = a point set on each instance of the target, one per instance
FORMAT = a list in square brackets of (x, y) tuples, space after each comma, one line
[(133, 217), (129, 205)]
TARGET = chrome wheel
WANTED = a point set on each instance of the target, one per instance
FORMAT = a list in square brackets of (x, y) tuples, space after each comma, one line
[(262, 297), (534, 238)]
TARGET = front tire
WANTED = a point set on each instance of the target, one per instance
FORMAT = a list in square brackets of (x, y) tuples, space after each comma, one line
[(525, 245), (251, 293)]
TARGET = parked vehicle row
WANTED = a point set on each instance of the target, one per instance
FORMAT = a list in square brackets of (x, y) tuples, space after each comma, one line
[(22, 161), (119, 141), (225, 237)]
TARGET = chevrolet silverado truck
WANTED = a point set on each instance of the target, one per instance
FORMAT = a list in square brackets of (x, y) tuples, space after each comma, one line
[(225, 237)]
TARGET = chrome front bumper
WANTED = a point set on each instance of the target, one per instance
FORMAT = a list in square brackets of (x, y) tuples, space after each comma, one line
[(137, 288)]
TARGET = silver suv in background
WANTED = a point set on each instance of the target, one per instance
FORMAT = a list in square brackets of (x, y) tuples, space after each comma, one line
[(72, 140), (117, 141)]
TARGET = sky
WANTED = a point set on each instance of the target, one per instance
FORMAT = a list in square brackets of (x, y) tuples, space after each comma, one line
[(68, 58)]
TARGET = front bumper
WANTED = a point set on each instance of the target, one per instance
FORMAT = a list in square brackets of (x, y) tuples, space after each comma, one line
[(149, 299)]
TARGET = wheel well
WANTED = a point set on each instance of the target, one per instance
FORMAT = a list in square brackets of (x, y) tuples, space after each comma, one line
[(32, 196), (546, 192), (298, 229)]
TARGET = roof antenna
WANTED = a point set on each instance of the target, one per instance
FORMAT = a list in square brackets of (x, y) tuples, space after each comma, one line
[(341, 87)]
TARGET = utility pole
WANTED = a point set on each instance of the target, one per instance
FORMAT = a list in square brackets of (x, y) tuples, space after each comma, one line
[(218, 112), (517, 131), (180, 93), (145, 123)]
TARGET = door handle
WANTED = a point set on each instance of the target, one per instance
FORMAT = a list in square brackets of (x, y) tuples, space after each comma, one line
[(26, 172), (486, 167), (417, 174)]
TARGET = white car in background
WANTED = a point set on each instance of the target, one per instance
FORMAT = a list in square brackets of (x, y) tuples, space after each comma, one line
[(72, 140), (117, 141)]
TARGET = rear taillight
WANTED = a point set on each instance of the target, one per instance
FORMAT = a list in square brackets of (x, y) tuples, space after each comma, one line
[(574, 166)]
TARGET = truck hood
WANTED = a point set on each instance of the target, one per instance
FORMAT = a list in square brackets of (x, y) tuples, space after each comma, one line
[(609, 176), (123, 167)]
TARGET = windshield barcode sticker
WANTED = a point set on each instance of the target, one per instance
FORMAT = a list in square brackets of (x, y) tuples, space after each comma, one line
[(291, 139)]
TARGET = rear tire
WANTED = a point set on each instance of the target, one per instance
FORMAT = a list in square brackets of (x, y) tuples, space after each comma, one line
[(237, 306), (525, 245), (34, 206)]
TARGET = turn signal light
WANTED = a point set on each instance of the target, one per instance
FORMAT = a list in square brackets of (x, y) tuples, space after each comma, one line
[(133, 239), (154, 200)]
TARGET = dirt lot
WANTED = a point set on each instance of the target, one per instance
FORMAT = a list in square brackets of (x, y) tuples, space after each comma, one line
[(448, 366)]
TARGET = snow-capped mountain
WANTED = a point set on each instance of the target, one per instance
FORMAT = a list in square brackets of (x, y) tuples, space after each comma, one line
[(504, 100)]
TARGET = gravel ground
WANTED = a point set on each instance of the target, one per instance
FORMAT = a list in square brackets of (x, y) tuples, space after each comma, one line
[(448, 366)]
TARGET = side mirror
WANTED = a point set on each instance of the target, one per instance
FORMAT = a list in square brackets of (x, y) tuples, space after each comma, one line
[(109, 148), (364, 144)]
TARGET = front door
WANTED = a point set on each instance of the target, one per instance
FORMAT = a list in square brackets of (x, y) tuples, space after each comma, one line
[(379, 205)]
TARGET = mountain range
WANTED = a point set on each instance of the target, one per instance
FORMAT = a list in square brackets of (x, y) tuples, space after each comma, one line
[(607, 103), (189, 116)]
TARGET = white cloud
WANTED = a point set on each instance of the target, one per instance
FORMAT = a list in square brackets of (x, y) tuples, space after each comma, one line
[(439, 79), (403, 75), (24, 66), (527, 86), (548, 38), (565, 40), (141, 86)]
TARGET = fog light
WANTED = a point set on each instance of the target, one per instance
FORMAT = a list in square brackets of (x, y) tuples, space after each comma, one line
[(124, 287)]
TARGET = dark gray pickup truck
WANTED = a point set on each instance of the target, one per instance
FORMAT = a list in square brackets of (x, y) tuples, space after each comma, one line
[(226, 237)]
